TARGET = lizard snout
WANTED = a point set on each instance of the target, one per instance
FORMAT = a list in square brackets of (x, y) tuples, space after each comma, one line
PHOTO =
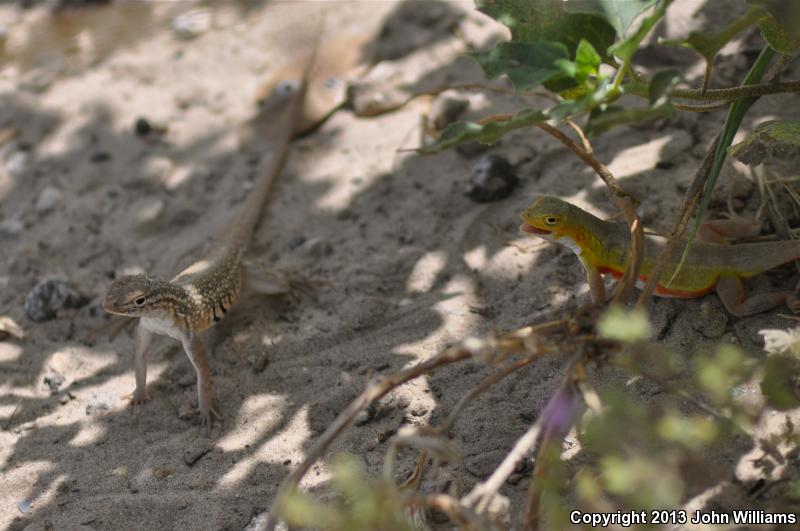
[(525, 227)]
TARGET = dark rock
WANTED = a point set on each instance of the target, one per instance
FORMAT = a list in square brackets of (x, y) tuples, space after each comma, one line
[(53, 381), (142, 127), (50, 296), (492, 179)]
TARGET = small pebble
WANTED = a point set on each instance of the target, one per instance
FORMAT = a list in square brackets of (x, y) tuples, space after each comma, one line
[(296, 241), (49, 296), (142, 127), (492, 179), (97, 405), (196, 451), (316, 248), (17, 164), (12, 227), (53, 381), (149, 211), (363, 417), (158, 168), (48, 199), (191, 24)]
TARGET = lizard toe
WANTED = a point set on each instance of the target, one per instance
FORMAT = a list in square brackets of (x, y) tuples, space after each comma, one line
[(139, 398)]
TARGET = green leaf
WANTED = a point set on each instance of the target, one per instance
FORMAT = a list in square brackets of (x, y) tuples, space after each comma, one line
[(780, 382), (488, 133), (585, 67), (526, 64), (607, 117), (619, 14), (587, 61), (623, 325), (491, 132), (775, 139), (548, 20), (625, 48), (708, 43), (780, 23)]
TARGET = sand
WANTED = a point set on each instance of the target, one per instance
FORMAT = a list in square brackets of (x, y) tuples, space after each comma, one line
[(411, 264)]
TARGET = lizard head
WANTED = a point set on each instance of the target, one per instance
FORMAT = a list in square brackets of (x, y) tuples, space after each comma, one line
[(136, 296), (547, 216)]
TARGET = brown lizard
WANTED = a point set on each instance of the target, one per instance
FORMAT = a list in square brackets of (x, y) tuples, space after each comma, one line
[(203, 293)]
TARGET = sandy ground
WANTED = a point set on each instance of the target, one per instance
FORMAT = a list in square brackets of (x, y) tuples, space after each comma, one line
[(412, 263)]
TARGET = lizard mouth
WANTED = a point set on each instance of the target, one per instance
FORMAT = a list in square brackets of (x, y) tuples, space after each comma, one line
[(532, 230)]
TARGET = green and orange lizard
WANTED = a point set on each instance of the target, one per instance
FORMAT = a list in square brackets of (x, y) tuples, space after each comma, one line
[(602, 248)]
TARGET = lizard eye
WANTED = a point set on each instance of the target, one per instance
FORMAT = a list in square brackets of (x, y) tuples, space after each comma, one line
[(550, 220), (139, 302)]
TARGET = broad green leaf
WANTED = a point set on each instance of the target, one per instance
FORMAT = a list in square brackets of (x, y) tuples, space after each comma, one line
[(620, 14), (623, 325), (548, 20), (708, 43), (526, 64), (583, 70), (775, 139), (780, 24), (779, 384), (587, 62), (625, 48)]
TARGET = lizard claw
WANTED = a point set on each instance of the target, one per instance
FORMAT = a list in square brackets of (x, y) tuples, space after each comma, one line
[(139, 397), (208, 417)]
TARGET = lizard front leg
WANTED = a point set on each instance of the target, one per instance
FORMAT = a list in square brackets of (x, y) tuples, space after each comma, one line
[(597, 287), (141, 344), (196, 351)]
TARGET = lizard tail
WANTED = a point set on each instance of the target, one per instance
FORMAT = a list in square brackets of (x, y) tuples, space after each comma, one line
[(275, 126)]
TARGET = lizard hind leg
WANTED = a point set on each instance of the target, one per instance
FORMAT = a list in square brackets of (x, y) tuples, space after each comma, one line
[(270, 281), (263, 280), (723, 230), (732, 294)]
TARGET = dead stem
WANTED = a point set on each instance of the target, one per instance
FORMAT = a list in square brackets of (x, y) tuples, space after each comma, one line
[(690, 202)]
